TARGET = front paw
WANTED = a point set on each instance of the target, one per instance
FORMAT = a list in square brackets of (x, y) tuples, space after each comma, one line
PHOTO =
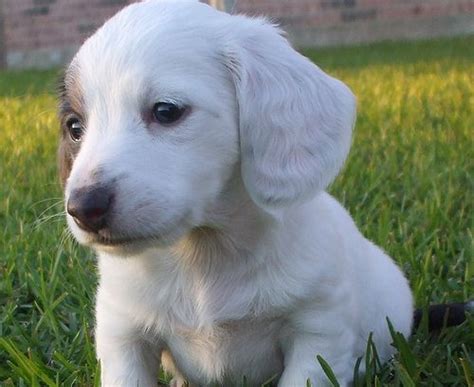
[(128, 382), (179, 382)]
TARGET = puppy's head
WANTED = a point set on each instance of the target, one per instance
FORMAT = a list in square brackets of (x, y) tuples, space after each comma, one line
[(161, 105)]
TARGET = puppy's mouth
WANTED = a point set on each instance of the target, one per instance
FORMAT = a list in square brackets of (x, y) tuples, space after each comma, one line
[(125, 246), (121, 241), (116, 241)]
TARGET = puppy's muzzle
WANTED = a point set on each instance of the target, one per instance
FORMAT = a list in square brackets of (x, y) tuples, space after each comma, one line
[(90, 207)]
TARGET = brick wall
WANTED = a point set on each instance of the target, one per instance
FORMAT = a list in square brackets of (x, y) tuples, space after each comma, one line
[(312, 13), (42, 33), (2, 39), (329, 22)]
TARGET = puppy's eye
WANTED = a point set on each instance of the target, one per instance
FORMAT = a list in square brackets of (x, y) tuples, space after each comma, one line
[(167, 113), (75, 128)]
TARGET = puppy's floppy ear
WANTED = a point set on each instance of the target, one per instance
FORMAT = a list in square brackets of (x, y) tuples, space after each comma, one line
[(295, 120)]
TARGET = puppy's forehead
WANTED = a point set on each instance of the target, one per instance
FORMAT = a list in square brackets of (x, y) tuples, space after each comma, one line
[(147, 34), (146, 43)]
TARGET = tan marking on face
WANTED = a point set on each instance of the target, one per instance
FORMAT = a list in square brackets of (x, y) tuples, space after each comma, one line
[(70, 103)]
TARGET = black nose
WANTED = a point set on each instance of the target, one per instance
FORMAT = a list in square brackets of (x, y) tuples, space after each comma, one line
[(89, 206)]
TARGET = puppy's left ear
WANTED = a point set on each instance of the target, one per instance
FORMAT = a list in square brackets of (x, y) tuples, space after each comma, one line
[(295, 120)]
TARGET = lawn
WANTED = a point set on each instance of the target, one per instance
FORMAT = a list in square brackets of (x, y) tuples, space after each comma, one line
[(408, 184)]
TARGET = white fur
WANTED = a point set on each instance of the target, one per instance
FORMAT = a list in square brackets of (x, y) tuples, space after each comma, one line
[(246, 266)]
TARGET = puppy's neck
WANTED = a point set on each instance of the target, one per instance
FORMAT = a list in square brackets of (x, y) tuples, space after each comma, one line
[(232, 230)]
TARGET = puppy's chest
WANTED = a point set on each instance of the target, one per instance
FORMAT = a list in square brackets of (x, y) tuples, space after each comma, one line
[(206, 329), (167, 301), (228, 352)]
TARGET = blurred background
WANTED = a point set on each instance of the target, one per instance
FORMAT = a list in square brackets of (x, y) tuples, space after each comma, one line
[(45, 33), (407, 183)]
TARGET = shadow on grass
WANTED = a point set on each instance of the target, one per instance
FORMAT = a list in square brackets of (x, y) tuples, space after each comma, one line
[(401, 52), (17, 83)]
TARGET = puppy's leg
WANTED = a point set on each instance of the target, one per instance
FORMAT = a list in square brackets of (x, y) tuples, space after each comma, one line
[(318, 332), (170, 368), (125, 358)]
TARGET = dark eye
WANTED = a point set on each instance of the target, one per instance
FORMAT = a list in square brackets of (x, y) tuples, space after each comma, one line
[(167, 113), (75, 128)]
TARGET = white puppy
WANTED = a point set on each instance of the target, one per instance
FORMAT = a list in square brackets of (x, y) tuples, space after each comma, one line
[(195, 152)]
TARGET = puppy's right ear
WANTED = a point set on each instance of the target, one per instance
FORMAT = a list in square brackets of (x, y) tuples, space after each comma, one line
[(295, 121)]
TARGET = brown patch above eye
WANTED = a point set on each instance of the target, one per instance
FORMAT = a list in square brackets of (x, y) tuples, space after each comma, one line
[(70, 102)]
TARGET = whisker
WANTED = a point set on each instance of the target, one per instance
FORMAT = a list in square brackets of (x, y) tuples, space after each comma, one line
[(41, 221), (58, 199), (49, 208)]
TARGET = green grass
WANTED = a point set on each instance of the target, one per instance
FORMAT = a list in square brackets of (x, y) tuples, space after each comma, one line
[(408, 184)]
